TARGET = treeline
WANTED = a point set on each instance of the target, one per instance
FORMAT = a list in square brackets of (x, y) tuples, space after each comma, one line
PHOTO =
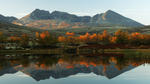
[(41, 40), (119, 37), (47, 40)]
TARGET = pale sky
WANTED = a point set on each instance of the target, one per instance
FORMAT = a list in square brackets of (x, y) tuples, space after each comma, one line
[(138, 10)]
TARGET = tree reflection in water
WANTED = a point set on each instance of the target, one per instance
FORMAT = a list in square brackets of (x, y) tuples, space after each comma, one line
[(42, 67)]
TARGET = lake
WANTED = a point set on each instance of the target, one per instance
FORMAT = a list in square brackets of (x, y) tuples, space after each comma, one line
[(126, 67)]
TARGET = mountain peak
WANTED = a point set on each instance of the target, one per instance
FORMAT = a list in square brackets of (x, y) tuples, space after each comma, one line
[(59, 12), (36, 10), (110, 12), (39, 10), (40, 14)]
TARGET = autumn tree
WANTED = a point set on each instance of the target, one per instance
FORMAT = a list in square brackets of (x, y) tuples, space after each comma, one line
[(71, 39), (15, 39), (45, 39), (70, 34), (37, 35), (104, 38), (121, 37), (136, 38), (93, 38), (85, 38), (62, 39), (113, 39), (145, 39), (24, 40)]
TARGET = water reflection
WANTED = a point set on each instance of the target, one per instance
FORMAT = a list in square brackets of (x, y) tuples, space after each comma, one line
[(41, 67)]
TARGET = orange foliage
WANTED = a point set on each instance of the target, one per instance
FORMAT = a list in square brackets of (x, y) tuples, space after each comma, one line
[(84, 63), (37, 34), (113, 59), (70, 67), (136, 35), (61, 61), (43, 35), (117, 33), (113, 39), (104, 37), (105, 34), (94, 36), (85, 37), (87, 34), (43, 66), (92, 63), (61, 39), (13, 38), (70, 34)]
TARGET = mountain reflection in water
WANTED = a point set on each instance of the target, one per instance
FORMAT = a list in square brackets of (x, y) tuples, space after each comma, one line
[(41, 67)]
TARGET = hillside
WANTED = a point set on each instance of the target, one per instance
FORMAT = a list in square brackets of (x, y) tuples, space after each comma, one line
[(78, 31), (9, 29)]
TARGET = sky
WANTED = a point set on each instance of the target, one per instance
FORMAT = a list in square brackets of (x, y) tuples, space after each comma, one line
[(138, 10)]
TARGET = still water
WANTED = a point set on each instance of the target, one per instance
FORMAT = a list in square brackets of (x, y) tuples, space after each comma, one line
[(106, 68)]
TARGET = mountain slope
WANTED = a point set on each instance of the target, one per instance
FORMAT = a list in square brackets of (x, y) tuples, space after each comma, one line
[(7, 19), (56, 20), (9, 29)]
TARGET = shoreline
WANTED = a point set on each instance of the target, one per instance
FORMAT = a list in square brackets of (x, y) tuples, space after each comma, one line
[(61, 51)]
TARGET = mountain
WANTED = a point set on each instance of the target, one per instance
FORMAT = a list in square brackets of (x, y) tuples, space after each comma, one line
[(56, 20), (35, 15), (7, 19), (59, 71), (56, 15), (111, 17)]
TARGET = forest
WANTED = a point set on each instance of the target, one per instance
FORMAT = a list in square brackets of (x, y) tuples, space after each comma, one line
[(119, 39)]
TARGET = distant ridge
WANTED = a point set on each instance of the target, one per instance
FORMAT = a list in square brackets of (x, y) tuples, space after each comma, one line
[(45, 20), (7, 19), (57, 20)]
